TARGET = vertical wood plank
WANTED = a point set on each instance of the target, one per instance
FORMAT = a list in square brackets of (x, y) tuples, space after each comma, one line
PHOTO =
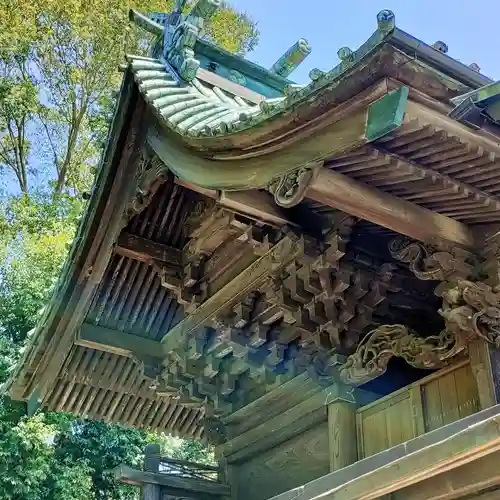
[(432, 406), (449, 400), (467, 393), (495, 370), (360, 436), (417, 410), (151, 464), (481, 369), (342, 434)]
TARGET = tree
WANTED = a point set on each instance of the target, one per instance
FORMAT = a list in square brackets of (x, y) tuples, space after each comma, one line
[(56, 82)]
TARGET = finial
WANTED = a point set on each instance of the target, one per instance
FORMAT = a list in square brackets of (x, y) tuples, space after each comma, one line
[(315, 74), (291, 58), (475, 67), (345, 54), (440, 46), (205, 8), (386, 20)]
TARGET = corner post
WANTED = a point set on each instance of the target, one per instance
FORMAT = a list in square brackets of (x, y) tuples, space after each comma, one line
[(342, 433), (151, 464)]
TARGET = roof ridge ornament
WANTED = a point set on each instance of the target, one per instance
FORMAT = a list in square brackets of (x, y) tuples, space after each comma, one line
[(291, 59), (386, 20), (180, 33)]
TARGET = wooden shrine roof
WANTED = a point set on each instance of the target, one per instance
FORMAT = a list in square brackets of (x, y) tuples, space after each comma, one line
[(123, 338)]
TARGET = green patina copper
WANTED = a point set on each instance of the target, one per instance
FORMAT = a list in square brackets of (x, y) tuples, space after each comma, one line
[(257, 172), (386, 114), (289, 61), (190, 108)]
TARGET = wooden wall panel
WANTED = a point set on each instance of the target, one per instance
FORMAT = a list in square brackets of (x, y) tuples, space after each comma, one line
[(430, 403), (385, 424), (291, 464), (449, 397)]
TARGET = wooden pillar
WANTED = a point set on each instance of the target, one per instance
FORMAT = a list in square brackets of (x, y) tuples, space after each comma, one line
[(151, 464), (480, 361), (342, 434)]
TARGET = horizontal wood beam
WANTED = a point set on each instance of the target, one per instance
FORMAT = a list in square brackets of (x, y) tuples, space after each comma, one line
[(283, 427), (255, 204), (171, 484), (466, 480), (138, 248), (343, 193), (278, 256), (424, 457), (117, 342)]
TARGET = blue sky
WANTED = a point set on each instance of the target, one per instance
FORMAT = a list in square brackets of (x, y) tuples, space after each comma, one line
[(470, 28)]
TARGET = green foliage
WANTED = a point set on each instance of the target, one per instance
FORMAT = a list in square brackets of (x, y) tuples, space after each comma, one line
[(58, 70), (58, 65)]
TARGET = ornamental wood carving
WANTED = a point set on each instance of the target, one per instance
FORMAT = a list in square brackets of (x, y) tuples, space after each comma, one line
[(428, 263), (471, 310), (289, 190), (151, 174)]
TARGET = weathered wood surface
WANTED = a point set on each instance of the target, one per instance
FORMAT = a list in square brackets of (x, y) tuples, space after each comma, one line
[(431, 403), (469, 479), (343, 193), (177, 486), (293, 462), (436, 452), (103, 224), (345, 129), (117, 342), (276, 430), (342, 434), (279, 255), (144, 250), (480, 361)]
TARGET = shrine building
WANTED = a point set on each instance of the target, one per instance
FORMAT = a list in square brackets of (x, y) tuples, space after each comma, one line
[(305, 276)]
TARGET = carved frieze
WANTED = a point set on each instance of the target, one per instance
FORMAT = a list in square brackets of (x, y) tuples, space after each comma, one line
[(290, 189), (151, 174), (428, 263), (471, 310), (387, 341)]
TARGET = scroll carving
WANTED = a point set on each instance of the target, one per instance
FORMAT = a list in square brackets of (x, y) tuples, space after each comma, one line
[(290, 189), (471, 310), (151, 174), (428, 263), (374, 352)]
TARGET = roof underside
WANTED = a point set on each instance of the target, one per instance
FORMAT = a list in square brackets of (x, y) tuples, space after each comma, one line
[(442, 167)]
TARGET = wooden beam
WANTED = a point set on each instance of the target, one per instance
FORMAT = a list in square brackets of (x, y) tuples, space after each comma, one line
[(117, 342), (138, 248), (466, 480), (424, 457), (89, 259), (343, 193), (255, 204), (277, 257), (171, 484), (283, 427)]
